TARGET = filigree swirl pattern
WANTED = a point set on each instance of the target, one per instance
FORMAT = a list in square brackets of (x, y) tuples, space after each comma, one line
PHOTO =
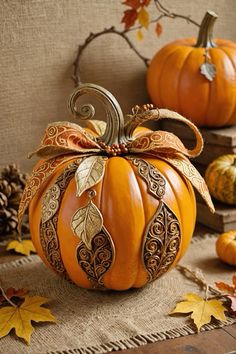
[(96, 262), (161, 242), (48, 226), (153, 178)]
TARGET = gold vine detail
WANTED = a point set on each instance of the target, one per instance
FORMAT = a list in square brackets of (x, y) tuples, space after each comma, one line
[(48, 227), (154, 180), (161, 242), (97, 261)]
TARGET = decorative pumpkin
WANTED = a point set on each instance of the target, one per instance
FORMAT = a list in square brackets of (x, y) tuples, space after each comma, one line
[(226, 247), (220, 178), (196, 78), (115, 208)]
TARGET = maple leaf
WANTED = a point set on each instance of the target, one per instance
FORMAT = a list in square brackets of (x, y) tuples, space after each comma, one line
[(202, 310), (143, 17), (20, 317), (158, 29), (135, 4), (129, 18), (230, 291), (12, 292), (23, 247), (139, 35)]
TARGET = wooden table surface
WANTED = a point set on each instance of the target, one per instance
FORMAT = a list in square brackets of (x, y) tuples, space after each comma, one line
[(217, 341)]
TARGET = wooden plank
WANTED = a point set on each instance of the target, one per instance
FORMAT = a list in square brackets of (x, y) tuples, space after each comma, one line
[(224, 136), (212, 342), (224, 218)]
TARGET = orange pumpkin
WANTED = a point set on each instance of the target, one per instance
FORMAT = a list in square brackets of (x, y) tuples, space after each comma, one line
[(113, 211), (226, 247), (196, 78)]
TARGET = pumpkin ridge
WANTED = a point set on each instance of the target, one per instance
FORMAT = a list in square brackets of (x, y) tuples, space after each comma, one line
[(222, 48), (179, 80)]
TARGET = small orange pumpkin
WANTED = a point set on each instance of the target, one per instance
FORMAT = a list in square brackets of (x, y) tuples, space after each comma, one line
[(112, 209), (226, 247), (196, 78)]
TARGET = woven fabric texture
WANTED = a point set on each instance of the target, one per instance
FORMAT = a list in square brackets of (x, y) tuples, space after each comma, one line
[(39, 40), (92, 322)]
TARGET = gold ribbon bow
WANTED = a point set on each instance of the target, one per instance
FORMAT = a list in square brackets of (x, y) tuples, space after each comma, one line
[(64, 141)]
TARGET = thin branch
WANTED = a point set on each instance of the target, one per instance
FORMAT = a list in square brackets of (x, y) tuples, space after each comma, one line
[(164, 12), (91, 37), (198, 278), (167, 13)]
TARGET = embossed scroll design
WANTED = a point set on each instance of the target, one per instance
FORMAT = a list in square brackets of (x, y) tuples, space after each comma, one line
[(48, 226), (154, 180), (161, 242), (162, 236), (97, 261)]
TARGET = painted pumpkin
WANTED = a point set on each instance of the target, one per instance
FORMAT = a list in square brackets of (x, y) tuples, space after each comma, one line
[(196, 78), (113, 209), (226, 247), (220, 178)]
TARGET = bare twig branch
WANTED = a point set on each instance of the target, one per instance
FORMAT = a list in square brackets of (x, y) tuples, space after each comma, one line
[(164, 12), (90, 38)]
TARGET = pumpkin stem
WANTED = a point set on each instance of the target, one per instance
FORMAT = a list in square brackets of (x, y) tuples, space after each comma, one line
[(205, 35), (114, 132)]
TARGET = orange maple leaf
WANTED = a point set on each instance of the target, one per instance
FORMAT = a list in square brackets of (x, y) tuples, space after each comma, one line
[(158, 29)]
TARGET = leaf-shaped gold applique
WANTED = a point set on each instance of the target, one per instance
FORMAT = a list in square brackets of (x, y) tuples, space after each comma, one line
[(87, 222), (97, 126), (89, 173)]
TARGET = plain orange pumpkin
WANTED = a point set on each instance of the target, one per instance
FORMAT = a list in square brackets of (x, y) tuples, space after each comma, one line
[(175, 81)]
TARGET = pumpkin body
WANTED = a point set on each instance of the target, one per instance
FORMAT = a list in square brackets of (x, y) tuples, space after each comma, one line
[(128, 211), (226, 247), (175, 81), (220, 178)]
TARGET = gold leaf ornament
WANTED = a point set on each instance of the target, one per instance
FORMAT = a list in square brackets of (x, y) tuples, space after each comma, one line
[(87, 222), (89, 173)]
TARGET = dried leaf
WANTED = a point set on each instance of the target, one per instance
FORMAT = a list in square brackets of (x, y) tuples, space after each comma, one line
[(89, 173), (87, 222), (12, 292), (135, 4), (24, 247), (158, 29), (20, 317), (202, 310), (143, 17), (97, 126), (139, 35), (129, 18), (208, 70), (225, 287), (233, 302)]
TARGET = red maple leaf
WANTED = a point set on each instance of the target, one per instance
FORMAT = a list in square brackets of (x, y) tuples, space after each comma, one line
[(135, 4), (12, 292), (129, 18)]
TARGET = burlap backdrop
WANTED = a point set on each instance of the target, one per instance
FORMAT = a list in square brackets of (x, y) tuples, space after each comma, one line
[(39, 39)]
